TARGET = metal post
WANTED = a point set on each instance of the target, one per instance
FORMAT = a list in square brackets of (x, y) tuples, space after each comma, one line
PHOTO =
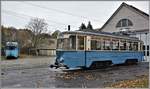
[(146, 47), (76, 42)]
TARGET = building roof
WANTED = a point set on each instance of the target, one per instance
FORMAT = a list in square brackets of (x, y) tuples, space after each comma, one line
[(128, 6)]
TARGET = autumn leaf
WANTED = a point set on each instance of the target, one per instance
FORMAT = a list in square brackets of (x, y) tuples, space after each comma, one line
[(141, 82)]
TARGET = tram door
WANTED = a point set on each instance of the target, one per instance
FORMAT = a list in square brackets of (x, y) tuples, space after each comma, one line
[(81, 47)]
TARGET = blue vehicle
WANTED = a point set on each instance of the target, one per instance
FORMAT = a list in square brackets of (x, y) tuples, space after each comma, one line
[(12, 50), (77, 49)]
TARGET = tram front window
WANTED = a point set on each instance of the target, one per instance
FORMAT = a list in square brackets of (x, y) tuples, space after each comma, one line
[(63, 43), (10, 47), (67, 43), (73, 42)]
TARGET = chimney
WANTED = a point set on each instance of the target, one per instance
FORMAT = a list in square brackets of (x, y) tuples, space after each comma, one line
[(68, 27)]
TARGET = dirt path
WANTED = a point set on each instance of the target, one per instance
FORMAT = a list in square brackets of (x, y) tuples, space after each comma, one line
[(45, 77)]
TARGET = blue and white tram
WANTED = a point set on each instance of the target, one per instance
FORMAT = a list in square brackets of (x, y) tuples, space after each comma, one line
[(77, 49), (12, 50)]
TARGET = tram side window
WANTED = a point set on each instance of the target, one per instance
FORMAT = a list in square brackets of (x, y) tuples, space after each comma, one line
[(115, 45), (66, 44), (72, 42), (81, 42), (95, 45), (135, 46), (106, 45), (130, 45), (98, 45), (59, 44), (123, 45)]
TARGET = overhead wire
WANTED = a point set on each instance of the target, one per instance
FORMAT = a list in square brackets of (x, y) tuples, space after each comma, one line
[(22, 16), (60, 11)]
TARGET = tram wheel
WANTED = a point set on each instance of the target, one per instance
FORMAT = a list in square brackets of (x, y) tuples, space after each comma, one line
[(131, 61), (100, 64)]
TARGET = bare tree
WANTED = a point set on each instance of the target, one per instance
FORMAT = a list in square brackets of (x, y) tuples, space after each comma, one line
[(37, 26)]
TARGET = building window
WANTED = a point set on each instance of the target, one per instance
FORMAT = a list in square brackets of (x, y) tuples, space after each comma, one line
[(147, 47), (143, 47), (147, 53), (124, 23)]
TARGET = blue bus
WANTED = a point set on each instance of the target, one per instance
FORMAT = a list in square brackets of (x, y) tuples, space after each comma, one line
[(12, 50), (78, 49)]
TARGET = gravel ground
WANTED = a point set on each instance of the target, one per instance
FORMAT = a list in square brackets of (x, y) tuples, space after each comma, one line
[(44, 77)]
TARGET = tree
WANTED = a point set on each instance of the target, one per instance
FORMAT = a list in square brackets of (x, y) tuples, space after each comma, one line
[(89, 26), (3, 36), (82, 26), (56, 33), (8, 34), (13, 31), (37, 26), (24, 38)]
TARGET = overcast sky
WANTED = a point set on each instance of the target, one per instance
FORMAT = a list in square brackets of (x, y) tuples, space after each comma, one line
[(59, 14)]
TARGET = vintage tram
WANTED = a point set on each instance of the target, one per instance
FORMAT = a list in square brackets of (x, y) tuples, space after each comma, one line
[(78, 49), (12, 50)]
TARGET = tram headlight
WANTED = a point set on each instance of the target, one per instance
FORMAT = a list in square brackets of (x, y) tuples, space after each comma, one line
[(61, 60)]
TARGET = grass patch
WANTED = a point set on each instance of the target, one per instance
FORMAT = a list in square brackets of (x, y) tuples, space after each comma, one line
[(142, 82)]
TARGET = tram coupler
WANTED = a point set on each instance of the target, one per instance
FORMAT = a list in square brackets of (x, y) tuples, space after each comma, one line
[(58, 66)]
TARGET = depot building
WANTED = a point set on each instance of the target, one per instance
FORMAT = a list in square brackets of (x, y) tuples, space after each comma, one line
[(132, 21)]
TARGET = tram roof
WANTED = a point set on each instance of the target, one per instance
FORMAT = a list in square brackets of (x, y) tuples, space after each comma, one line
[(11, 43), (101, 34)]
